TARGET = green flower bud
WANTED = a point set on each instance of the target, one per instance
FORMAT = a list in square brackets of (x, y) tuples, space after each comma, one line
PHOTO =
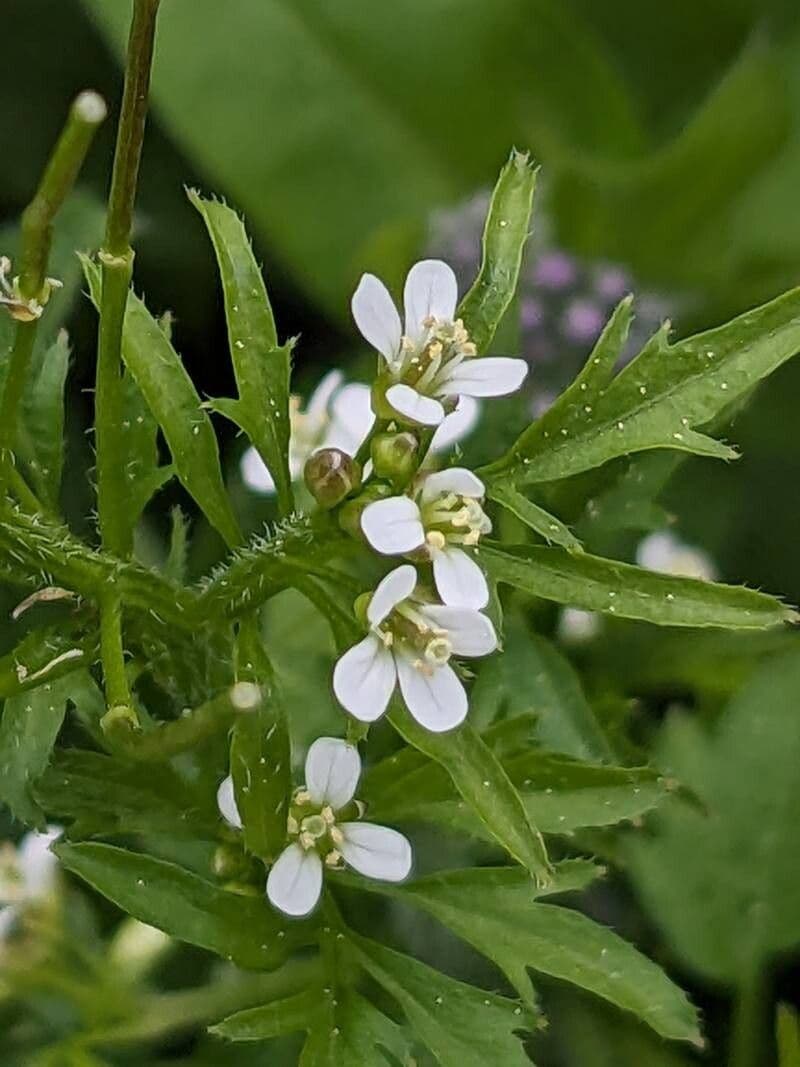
[(350, 514), (395, 457), (331, 475), (231, 863)]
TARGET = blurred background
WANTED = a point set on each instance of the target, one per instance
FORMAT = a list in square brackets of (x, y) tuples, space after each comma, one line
[(358, 136)]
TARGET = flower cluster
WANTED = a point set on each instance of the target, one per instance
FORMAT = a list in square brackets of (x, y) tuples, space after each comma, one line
[(427, 611), (325, 830)]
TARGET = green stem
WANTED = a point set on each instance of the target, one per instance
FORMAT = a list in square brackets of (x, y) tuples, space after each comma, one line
[(748, 1036), (167, 739), (118, 694), (116, 259)]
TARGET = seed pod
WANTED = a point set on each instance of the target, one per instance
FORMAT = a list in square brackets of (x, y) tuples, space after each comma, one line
[(331, 475)]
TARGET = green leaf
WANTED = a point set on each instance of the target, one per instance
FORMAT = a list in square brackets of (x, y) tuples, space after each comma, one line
[(271, 1020), (353, 1034), (240, 928), (506, 231), (660, 399), (493, 909), (48, 653), (595, 584), (142, 473), (172, 398), (43, 442), (100, 794), (559, 794), (28, 731), (261, 761), (532, 675), (479, 777), (787, 1032), (463, 1026), (542, 522), (261, 366), (700, 871)]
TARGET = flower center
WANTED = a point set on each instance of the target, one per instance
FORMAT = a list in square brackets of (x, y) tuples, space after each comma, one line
[(456, 519), (445, 345), (314, 828), (407, 629)]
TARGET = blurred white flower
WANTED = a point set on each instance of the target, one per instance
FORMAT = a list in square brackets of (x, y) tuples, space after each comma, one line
[(410, 642), (576, 626), (434, 359), (664, 552), (325, 831), (336, 416), (443, 514), (27, 875)]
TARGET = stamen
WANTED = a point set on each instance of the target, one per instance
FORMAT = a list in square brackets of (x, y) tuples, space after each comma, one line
[(436, 539)]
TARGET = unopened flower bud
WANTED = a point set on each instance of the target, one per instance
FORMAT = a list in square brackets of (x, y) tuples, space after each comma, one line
[(395, 457), (350, 515), (331, 475), (231, 863)]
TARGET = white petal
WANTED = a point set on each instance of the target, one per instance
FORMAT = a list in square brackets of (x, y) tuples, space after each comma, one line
[(226, 802), (393, 526), (255, 474), (376, 316), (431, 289), (37, 863), (459, 580), (664, 552), (414, 406), (457, 425), (364, 678), (489, 376), (351, 418), (437, 700), (8, 917), (453, 480), (376, 851), (391, 591), (469, 632), (295, 881), (322, 396), (333, 768)]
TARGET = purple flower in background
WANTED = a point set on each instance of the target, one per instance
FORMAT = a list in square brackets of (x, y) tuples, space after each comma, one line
[(564, 300)]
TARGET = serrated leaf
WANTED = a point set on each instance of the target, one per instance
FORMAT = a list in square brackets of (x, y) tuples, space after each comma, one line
[(463, 1026), (260, 364), (28, 731), (660, 400), (700, 871), (353, 1034), (172, 398), (532, 675), (628, 592), (494, 910), (479, 777), (261, 762), (560, 795), (97, 794), (42, 439), (504, 237), (279, 1017), (240, 928), (553, 530)]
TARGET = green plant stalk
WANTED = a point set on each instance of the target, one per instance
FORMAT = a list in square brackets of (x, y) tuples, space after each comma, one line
[(748, 1032), (86, 114), (118, 694), (116, 259), (167, 739)]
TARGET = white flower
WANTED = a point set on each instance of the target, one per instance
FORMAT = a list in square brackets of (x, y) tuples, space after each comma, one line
[(433, 362), (325, 831), (336, 416), (226, 802), (27, 875), (576, 626), (664, 552), (444, 513), (410, 643)]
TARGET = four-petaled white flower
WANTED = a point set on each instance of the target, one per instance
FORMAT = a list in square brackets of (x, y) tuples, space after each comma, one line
[(411, 642), (662, 551), (444, 514), (433, 362), (325, 830), (27, 875)]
